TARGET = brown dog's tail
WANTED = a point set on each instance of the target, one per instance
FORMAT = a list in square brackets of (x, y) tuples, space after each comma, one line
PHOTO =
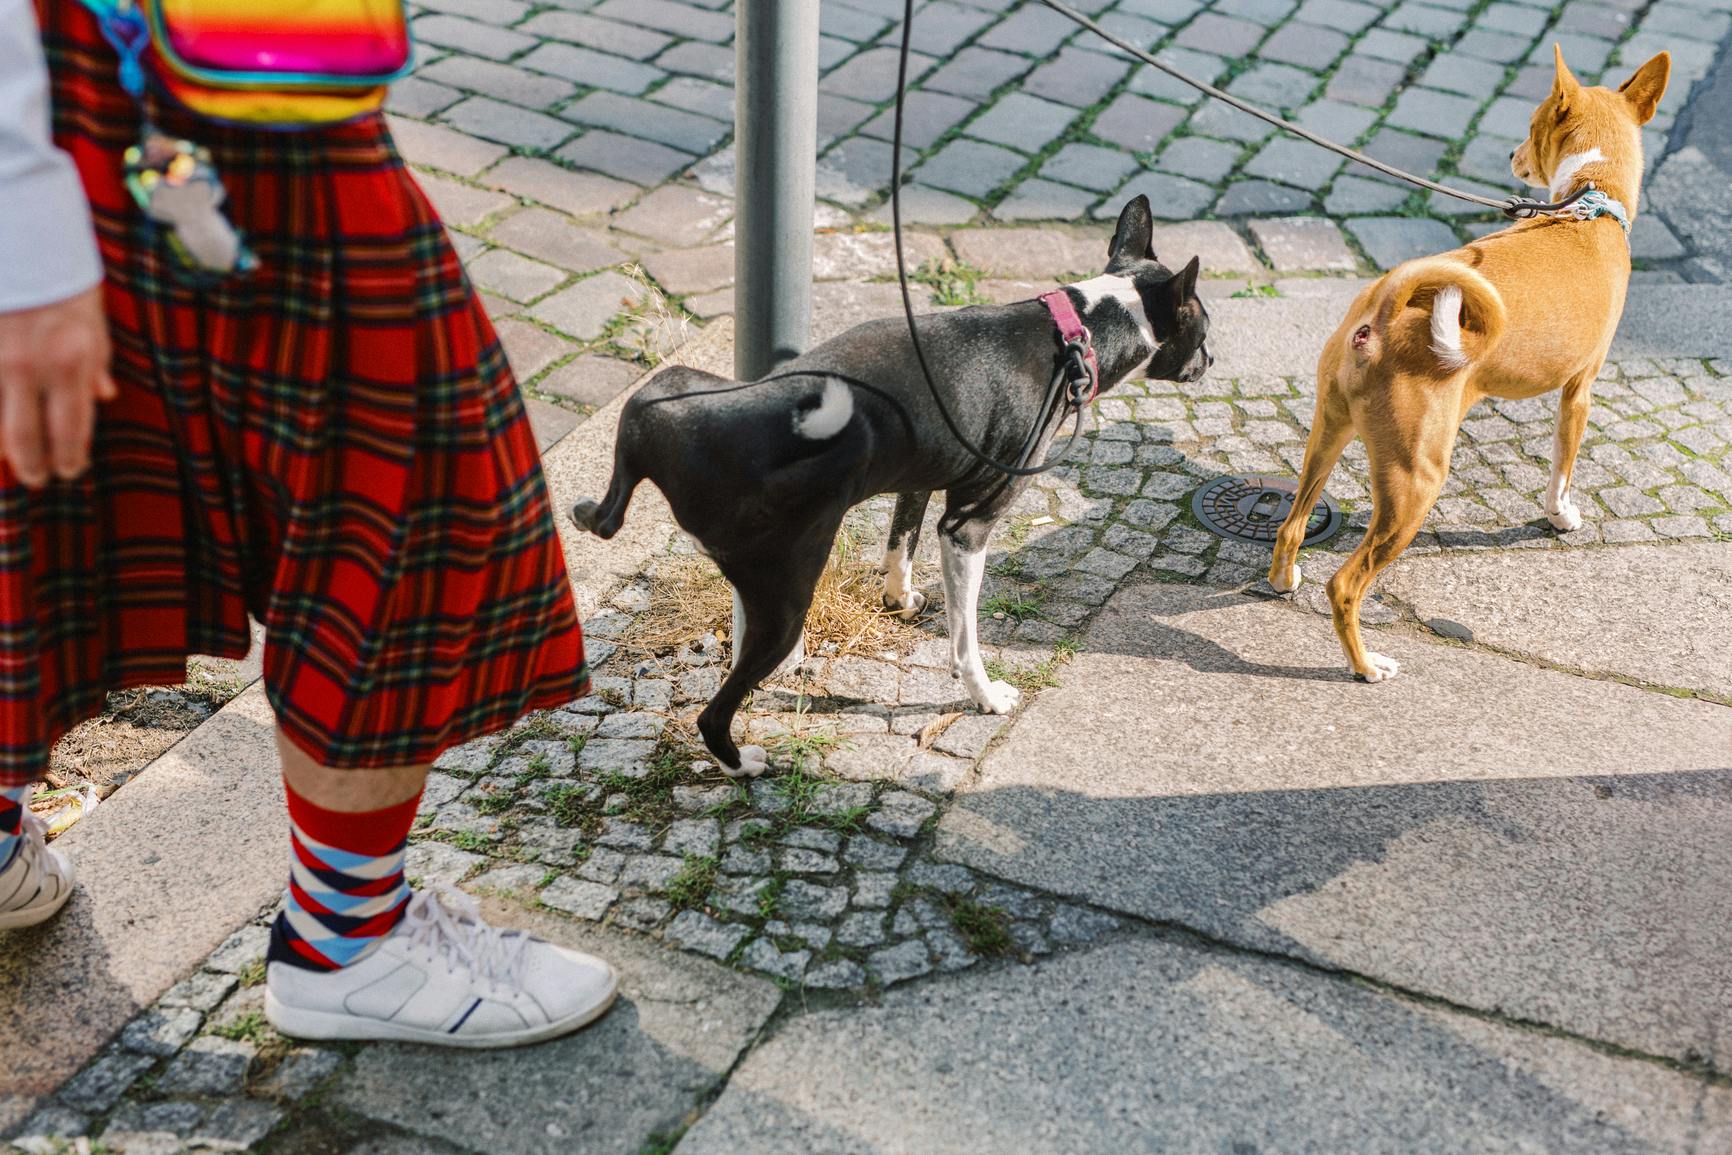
[(1466, 314)]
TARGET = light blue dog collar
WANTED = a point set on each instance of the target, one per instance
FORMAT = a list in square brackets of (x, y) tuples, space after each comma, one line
[(1594, 203)]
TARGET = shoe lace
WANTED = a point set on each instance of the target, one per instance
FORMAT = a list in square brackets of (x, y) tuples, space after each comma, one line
[(34, 848), (447, 924)]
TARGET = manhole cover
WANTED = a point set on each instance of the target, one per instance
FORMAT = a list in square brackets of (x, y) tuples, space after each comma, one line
[(1253, 508)]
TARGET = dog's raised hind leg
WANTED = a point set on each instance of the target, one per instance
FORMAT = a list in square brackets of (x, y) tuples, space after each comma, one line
[(899, 592), (603, 518), (1561, 509), (964, 553)]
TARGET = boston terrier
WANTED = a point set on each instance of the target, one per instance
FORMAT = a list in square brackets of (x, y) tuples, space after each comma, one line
[(761, 473)]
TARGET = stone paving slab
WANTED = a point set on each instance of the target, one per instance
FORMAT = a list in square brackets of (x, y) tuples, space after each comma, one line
[(1675, 321), (1030, 119), (678, 1027), (1499, 835), (166, 869), (1150, 1045), (580, 466), (1691, 187), (1662, 614)]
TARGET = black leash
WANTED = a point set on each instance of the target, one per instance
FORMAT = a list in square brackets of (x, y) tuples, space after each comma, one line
[(1516, 207), (1061, 383)]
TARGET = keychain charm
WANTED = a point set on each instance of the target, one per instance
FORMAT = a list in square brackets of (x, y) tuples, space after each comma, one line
[(178, 189)]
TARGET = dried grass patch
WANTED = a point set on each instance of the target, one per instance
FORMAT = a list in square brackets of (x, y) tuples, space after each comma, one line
[(688, 598)]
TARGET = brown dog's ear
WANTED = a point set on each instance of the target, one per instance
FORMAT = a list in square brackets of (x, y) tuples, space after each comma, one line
[(1644, 89), (1564, 85)]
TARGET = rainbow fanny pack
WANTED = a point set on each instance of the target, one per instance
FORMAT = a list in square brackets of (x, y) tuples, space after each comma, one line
[(289, 65), (279, 64)]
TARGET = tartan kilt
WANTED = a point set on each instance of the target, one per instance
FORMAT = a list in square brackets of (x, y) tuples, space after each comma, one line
[(334, 445)]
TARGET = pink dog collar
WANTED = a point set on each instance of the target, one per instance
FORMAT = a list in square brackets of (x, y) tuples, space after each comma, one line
[(1078, 341)]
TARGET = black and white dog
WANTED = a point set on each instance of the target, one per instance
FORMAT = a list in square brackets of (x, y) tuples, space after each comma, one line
[(761, 473)]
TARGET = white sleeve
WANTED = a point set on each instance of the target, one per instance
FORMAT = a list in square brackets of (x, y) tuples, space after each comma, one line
[(47, 250)]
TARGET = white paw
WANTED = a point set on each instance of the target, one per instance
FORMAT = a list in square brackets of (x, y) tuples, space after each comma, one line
[(909, 608), (754, 760), (1567, 518), (1288, 582), (1382, 668), (998, 698)]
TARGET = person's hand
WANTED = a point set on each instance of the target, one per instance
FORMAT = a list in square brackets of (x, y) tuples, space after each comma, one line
[(53, 371)]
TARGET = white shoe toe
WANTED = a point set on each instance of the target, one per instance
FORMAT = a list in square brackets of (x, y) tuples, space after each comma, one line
[(570, 985)]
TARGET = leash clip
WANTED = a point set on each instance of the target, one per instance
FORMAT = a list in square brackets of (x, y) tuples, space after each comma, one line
[(1526, 208), (1082, 381), (1585, 204), (1589, 204), (1077, 367)]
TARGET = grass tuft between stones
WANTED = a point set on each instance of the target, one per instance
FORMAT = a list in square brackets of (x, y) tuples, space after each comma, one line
[(985, 929), (662, 1142), (770, 895), (249, 1028), (570, 807), (952, 282), (690, 888)]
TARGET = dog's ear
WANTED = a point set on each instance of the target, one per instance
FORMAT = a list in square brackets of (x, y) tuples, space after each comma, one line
[(1133, 240), (1644, 89), (1565, 86), (1185, 281)]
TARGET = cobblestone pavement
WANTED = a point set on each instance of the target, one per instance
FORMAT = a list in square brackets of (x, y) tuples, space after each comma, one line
[(580, 149), (820, 875)]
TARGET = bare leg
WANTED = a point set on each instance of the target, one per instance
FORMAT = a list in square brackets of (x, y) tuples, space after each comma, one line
[(347, 791), (964, 566)]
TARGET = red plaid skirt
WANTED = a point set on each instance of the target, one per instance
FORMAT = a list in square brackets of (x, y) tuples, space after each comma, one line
[(334, 445)]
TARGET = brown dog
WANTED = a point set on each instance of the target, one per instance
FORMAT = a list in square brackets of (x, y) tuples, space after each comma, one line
[(1514, 315)]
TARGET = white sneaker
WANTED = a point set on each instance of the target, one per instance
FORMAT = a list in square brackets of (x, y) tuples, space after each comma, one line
[(445, 977), (37, 882)]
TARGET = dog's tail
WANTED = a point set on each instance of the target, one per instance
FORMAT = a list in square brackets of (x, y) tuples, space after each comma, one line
[(1467, 314), (604, 518)]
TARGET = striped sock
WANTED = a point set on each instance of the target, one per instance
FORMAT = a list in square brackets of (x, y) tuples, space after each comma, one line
[(346, 885), (14, 801)]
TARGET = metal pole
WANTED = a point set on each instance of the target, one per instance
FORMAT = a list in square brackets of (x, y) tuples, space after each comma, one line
[(775, 145), (775, 163)]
